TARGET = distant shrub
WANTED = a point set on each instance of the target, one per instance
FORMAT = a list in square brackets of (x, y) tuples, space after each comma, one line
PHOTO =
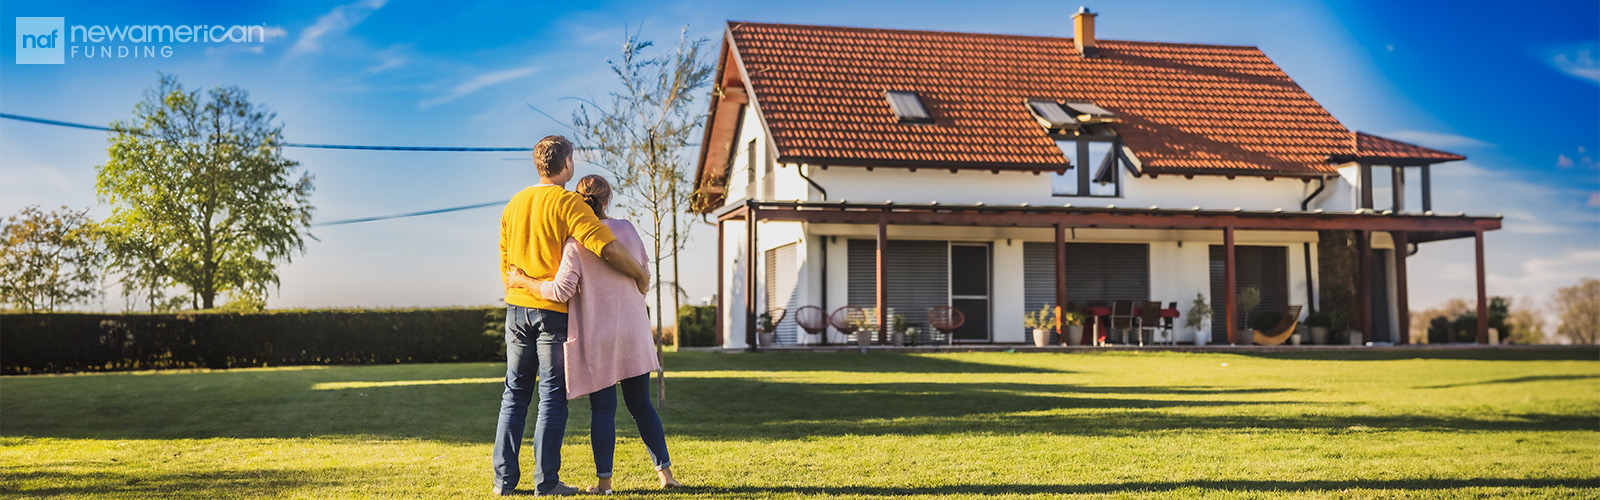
[(697, 326), (70, 342)]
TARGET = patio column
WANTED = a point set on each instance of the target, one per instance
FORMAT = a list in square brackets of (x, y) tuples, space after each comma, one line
[(1229, 283), (1402, 300), (1397, 183), (883, 246), (1365, 170), (1483, 295), (1061, 282), (722, 286), (1364, 281), (1427, 189), (750, 279)]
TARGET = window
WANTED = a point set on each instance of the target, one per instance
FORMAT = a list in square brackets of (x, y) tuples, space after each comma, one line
[(1052, 116), (907, 107), (1088, 112), (1097, 166)]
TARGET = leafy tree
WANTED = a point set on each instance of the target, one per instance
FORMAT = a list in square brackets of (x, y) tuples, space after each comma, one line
[(49, 259), (1579, 308), (202, 196), (641, 134), (1526, 323)]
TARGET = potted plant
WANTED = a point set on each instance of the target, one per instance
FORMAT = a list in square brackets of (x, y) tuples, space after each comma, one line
[(866, 327), (1249, 298), (1072, 326), (1317, 324), (765, 330), (897, 330), (1041, 321), (1198, 317), (1299, 333)]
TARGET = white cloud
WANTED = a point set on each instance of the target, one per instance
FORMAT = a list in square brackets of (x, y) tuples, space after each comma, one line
[(336, 21), (274, 33), (390, 58), (1563, 162), (1594, 199), (1439, 140), (1577, 61), (478, 83)]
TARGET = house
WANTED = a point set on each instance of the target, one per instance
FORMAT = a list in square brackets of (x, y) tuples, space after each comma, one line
[(902, 170)]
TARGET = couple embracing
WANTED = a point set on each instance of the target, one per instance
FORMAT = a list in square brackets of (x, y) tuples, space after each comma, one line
[(576, 325)]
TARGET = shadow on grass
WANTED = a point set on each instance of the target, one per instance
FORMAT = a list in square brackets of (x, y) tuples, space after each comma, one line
[(104, 478), (1575, 353), (1517, 380), (1157, 487)]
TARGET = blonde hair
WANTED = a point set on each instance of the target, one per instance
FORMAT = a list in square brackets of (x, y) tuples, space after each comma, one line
[(596, 192)]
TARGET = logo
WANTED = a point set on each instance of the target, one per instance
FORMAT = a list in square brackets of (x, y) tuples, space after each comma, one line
[(41, 40)]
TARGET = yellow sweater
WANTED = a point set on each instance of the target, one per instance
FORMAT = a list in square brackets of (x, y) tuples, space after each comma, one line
[(532, 229)]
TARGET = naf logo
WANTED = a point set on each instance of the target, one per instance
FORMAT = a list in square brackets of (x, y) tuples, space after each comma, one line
[(41, 40)]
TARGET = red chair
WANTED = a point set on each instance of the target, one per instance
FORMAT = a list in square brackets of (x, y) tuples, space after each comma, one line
[(946, 320), (813, 320), (847, 320)]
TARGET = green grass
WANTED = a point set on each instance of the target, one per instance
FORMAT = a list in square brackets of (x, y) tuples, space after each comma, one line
[(1427, 424)]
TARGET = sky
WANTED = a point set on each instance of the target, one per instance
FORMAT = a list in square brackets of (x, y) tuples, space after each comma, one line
[(1514, 87)]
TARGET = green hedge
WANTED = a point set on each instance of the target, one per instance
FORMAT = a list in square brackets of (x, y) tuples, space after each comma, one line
[(71, 342), (697, 326)]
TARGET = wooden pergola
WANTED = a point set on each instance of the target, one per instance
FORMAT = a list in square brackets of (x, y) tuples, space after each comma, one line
[(1405, 228)]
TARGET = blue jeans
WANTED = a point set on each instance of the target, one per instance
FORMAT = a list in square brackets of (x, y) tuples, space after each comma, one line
[(603, 423), (534, 358)]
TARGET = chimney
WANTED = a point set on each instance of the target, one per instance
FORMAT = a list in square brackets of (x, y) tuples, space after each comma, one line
[(1083, 32)]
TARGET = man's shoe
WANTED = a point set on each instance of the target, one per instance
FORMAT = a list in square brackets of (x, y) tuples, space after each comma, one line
[(560, 490), (504, 492)]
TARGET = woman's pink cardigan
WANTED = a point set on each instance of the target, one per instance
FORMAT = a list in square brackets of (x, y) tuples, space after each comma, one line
[(608, 328)]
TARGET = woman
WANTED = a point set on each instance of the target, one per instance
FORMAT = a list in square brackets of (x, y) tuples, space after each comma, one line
[(608, 338)]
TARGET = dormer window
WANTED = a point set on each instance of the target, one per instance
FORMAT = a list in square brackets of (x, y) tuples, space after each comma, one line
[(1052, 116), (907, 107), (1088, 113)]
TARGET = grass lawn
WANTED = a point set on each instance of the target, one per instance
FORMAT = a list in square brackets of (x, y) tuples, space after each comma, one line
[(1426, 424)]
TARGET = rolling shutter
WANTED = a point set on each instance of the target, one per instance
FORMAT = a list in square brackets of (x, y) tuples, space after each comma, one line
[(1266, 268), (1096, 272), (783, 275), (918, 276)]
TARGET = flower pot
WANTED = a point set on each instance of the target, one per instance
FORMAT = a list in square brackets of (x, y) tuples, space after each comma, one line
[(864, 338), (1355, 337), (766, 338), (1041, 337), (1244, 337), (1294, 339), (1319, 335), (897, 337), (1074, 335)]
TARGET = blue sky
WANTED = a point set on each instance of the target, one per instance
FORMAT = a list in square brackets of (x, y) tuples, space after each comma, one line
[(1515, 88)]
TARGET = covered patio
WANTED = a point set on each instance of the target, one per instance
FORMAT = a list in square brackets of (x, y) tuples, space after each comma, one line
[(1406, 229)]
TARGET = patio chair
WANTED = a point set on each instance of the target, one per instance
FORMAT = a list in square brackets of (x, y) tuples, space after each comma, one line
[(813, 320), (946, 320), (1149, 319), (847, 320), (1281, 331), (1122, 317), (1167, 323)]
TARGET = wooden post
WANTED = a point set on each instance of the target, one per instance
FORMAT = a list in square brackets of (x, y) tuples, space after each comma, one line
[(1402, 301), (1366, 185), (1083, 168), (1427, 188), (883, 295), (1229, 283), (750, 278), (722, 286), (1364, 281), (1483, 295), (1061, 281), (1397, 187)]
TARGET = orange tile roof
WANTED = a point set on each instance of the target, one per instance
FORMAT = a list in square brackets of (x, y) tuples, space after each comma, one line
[(1183, 108), (1372, 148)]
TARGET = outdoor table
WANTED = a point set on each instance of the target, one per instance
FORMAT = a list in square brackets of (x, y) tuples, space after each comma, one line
[(1095, 313)]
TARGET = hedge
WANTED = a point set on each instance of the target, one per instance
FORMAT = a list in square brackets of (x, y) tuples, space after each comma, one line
[(697, 326), (71, 342)]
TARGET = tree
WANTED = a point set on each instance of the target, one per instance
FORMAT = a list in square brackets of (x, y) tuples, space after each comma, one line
[(1526, 323), (49, 259), (1579, 308), (202, 196), (640, 135)]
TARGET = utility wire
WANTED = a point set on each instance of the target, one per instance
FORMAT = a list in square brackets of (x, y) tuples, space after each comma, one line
[(287, 144), (412, 214)]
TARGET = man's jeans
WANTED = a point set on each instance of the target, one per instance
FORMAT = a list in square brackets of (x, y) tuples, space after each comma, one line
[(603, 423), (534, 339)]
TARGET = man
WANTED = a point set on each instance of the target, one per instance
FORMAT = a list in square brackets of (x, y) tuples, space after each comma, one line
[(533, 227)]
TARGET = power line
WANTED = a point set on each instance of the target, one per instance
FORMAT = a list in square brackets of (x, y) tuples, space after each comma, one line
[(412, 214), (451, 149)]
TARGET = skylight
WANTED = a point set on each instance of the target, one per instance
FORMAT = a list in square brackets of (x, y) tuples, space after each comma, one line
[(907, 107), (1052, 116), (1087, 113)]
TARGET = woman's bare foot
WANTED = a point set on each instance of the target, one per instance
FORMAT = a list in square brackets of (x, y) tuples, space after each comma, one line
[(667, 482)]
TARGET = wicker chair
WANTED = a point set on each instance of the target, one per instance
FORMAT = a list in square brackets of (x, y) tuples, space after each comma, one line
[(847, 320), (813, 320), (946, 320)]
